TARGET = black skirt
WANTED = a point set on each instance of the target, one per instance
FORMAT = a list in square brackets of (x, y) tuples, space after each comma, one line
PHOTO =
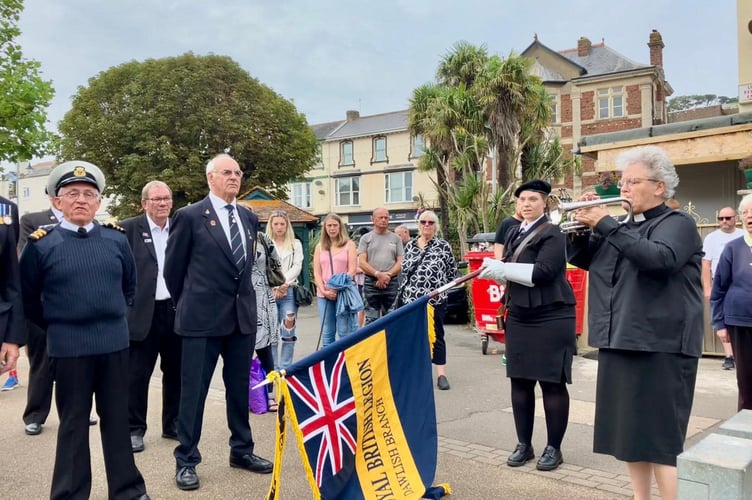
[(642, 405), (540, 343)]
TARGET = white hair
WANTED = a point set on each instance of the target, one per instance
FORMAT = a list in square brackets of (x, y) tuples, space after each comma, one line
[(657, 163)]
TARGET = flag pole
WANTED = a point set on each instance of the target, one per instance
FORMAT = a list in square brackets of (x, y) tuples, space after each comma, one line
[(455, 282)]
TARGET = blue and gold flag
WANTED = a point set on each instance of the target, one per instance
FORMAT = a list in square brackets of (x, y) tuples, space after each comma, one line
[(363, 413)]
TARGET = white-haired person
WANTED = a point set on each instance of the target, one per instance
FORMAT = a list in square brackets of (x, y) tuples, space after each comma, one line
[(645, 317), (428, 264)]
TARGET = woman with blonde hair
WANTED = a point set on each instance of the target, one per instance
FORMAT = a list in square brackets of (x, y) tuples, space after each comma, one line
[(290, 251), (335, 253)]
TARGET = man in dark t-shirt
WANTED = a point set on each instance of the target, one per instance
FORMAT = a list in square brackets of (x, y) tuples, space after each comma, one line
[(505, 226)]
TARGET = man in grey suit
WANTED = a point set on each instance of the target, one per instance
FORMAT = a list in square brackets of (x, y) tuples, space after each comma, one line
[(151, 320), (210, 253)]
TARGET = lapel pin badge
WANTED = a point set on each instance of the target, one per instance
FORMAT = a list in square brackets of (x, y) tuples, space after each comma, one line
[(212, 222)]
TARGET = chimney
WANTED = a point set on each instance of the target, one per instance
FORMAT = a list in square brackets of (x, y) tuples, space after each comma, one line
[(583, 47), (656, 49), (352, 115)]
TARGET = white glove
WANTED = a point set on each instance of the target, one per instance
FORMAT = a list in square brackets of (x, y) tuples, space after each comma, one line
[(493, 269)]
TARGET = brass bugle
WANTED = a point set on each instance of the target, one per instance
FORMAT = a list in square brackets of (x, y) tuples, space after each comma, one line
[(558, 209)]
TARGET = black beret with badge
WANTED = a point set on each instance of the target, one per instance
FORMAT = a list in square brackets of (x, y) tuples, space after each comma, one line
[(75, 171), (536, 185)]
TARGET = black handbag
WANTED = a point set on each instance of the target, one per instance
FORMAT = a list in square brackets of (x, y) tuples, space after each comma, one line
[(303, 296), (274, 274)]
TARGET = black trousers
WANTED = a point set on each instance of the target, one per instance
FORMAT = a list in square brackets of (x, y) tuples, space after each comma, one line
[(200, 355), (39, 395), (741, 343), (163, 341), (378, 301), (105, 376)]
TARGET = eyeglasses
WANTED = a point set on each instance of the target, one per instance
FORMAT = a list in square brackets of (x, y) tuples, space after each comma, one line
[(730, 217), (229, 173), (75, 195), (427, 222), (164, 199), (633, 182)]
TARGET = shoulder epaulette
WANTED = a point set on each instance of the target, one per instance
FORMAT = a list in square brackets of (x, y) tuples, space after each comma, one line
[(114, 226), (41, 232)]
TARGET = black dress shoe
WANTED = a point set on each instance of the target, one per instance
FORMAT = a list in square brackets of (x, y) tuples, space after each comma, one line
[(252, 463), (442, 383), (92, 421), (170, 435), (186, 478), (522, 455), (33, 429), (137, 443), (550, 460)]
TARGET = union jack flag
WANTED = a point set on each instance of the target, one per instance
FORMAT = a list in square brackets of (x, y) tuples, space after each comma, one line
[(326, 413)]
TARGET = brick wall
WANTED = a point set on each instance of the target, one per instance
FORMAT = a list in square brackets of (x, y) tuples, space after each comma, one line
[(566, 108), (615, 125), (587, 106), (634, 100)]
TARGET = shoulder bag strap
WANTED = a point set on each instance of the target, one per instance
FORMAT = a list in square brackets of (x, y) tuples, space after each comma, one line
[(530, 235), (331, 262)]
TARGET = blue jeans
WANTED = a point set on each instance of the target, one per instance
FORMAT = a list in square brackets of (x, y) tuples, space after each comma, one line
[(283, 358), (343, 325)]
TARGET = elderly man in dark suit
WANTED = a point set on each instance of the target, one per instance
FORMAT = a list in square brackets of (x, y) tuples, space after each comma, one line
[(151, 320), (11, 336), (208, 273)]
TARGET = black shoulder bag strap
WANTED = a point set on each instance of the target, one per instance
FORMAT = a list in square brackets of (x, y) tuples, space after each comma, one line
[(501, 316)]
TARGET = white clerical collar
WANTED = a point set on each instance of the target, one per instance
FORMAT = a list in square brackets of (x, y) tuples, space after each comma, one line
[(639, 218)]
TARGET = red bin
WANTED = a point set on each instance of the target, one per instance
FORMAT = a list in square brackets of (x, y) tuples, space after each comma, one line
[(578, 279), (486, 296)]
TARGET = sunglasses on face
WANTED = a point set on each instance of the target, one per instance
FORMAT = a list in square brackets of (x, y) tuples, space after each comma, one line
[(731, 217), (427, 222)]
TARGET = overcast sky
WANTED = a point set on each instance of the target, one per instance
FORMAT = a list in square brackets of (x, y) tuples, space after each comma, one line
[(329, 56)]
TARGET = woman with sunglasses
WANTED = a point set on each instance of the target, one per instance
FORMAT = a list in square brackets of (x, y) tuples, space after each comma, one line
[(290, 251), (428, 264)]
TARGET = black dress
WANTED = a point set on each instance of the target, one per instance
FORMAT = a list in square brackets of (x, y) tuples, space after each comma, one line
[(540, 330)]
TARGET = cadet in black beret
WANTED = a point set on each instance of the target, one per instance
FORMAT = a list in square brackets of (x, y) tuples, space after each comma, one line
[(536, 185)]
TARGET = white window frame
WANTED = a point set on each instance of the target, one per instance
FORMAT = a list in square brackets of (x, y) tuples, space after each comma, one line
[(300, 194), (319, 156), (611, 102), (417, 146), (405, 188), (342, 159), (376, 150), (353, 191)]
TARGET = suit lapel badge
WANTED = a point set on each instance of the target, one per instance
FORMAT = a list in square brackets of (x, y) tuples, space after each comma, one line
[(212, 223)]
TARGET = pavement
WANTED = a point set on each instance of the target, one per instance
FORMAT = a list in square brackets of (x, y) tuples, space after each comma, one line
[(475, 426)]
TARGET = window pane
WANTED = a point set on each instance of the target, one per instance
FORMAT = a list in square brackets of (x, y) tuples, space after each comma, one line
[(419, 146), (618, 108), (347, 153), (603, 108), (379, 149), (355, 191)]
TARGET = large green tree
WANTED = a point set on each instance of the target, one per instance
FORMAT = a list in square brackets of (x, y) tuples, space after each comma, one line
[(25, 95), (165, 118)]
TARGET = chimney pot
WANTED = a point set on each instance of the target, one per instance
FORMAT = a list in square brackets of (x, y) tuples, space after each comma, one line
[(352, 114), (583, 47), (655, 43)]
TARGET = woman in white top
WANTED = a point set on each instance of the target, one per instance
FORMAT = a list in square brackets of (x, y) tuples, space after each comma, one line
[(290, 251)]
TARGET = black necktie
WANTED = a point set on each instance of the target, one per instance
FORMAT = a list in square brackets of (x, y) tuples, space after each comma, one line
[(82, 231), (236, 243)]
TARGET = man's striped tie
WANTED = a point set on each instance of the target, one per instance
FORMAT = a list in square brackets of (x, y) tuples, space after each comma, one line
[(236, 243)]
